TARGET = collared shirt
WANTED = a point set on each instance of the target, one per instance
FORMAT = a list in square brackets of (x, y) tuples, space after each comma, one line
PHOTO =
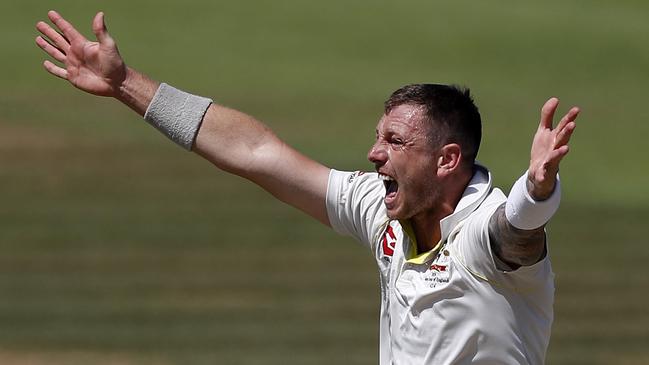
[(450, 305)]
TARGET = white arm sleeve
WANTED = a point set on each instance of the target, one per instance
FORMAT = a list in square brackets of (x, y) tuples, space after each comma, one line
[(355, 205), (473, 247)]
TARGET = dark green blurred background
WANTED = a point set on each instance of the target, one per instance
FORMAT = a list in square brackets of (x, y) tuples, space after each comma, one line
[(116, 247)]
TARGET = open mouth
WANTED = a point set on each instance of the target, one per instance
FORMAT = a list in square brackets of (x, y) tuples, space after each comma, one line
[(391, 188)]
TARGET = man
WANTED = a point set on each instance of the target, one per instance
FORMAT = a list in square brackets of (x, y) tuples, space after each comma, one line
[(465, 277)]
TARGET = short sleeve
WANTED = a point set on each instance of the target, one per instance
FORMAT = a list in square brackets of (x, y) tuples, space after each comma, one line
[(355, 205), (473, 247)]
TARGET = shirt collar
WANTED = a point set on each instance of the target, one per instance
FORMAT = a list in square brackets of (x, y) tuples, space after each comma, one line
[(474, 194)]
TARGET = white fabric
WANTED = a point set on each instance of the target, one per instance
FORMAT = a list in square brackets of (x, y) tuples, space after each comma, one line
[(523, 212), (455, 307), (177, 114)]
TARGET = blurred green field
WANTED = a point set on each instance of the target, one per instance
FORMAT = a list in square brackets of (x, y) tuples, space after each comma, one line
[(119, 248)]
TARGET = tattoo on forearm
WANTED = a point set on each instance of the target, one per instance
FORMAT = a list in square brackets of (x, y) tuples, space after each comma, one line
[(515, 247)]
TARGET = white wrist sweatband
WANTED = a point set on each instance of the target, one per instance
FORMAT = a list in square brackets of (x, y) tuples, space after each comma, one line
[(177, 114), (523, 212)]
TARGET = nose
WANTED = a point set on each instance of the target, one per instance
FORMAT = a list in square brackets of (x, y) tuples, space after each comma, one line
[(377, 154)]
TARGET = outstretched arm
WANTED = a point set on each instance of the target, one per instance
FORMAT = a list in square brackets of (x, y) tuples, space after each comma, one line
[(231, 140), (518, 238)]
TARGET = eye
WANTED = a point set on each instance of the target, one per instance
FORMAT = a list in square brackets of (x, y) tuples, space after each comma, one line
[(396, 141)]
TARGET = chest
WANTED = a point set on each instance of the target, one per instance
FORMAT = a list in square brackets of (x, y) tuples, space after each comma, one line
[(407, 278)]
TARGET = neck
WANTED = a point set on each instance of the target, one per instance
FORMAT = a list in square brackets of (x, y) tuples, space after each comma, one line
[(425, 225)]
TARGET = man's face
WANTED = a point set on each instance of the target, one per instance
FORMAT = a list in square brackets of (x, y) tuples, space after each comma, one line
[(406, 162)]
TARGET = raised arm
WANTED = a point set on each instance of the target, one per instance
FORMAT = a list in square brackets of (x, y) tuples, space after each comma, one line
[(516, 229), (231, 140)]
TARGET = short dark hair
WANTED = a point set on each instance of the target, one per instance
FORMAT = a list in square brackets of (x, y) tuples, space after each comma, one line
[(451, 113)]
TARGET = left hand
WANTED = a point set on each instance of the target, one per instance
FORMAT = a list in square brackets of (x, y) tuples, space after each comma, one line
[(549, 147)]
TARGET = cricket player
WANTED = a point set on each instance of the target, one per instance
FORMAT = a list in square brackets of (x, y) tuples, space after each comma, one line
[(464, 270)]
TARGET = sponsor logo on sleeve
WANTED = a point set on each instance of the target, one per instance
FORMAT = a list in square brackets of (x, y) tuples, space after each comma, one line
[(354, 175), (389, 242)]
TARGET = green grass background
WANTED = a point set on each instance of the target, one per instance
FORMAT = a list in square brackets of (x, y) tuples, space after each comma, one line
[(116, 247)]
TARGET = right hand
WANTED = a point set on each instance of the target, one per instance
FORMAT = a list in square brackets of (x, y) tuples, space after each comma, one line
[(549, 147), (94, 67)]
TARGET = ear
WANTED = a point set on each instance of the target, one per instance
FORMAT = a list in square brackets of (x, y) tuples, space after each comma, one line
[(449, 159)]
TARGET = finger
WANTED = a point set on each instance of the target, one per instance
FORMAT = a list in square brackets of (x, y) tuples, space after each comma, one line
[(57, 39), (99, 28), (563, 137), (557, 155), (55, 70), (68, 30), (569, 117), (547, 113), (50, 49)]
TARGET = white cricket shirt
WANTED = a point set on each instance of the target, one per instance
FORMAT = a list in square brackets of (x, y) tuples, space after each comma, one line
[(450, 305)]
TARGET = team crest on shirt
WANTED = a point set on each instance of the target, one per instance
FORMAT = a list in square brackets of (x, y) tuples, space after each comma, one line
[(438, 272), (439, 268)]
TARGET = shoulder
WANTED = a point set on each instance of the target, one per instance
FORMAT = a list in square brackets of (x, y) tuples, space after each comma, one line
[(483, 213), (355, 204), (342, 183), (360, 177)]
